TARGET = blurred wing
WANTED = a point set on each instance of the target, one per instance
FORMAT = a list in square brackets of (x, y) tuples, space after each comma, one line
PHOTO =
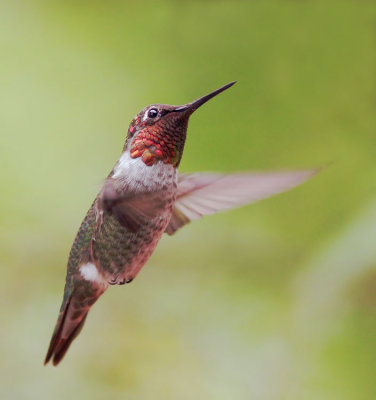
[(205, 194), (130, 209)]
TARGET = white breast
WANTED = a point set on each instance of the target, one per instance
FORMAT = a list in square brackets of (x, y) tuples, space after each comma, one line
[(136, 174)]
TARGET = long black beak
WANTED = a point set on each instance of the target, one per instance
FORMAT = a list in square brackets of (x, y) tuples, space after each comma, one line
[(194, 105)]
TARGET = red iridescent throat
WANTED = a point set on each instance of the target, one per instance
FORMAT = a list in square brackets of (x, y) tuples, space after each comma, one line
[(151, 147)]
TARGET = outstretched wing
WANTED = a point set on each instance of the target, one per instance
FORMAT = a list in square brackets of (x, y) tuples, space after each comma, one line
[(207, 193)]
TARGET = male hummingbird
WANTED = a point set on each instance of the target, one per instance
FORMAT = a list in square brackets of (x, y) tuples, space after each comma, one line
[(143, 197)]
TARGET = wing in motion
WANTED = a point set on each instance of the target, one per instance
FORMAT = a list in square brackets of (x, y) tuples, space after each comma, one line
[(130, 208), (207, 193)]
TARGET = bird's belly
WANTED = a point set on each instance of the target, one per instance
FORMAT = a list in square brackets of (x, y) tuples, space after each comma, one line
[(120, 254)]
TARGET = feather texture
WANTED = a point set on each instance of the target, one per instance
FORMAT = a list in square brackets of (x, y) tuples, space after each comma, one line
[(207, 193)]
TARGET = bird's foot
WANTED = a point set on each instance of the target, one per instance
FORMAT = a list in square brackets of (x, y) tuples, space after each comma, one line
[(115, 280)]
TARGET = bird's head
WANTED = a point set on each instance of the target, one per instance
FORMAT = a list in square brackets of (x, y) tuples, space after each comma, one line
[(158, 132)]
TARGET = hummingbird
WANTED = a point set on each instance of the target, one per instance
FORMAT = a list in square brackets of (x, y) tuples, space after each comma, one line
[(143, 197)]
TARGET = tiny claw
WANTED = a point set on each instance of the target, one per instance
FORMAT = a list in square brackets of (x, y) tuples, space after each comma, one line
[(113, 281)]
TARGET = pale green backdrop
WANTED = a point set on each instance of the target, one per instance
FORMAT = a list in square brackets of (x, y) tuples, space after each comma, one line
[(273, 301)]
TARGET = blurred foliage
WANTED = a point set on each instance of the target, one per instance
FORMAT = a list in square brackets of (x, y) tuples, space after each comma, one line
[(272, 301)]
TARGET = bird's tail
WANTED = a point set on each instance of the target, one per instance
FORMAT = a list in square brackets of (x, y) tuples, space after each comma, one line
[(73, 313)]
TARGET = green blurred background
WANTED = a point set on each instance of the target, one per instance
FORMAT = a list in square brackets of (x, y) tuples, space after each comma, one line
[(272, 301)]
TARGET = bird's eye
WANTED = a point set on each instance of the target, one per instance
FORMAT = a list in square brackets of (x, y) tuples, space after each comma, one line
[(152, 113)]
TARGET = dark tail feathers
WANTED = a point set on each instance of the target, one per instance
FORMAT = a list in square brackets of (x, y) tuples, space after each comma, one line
[(65, 332)]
